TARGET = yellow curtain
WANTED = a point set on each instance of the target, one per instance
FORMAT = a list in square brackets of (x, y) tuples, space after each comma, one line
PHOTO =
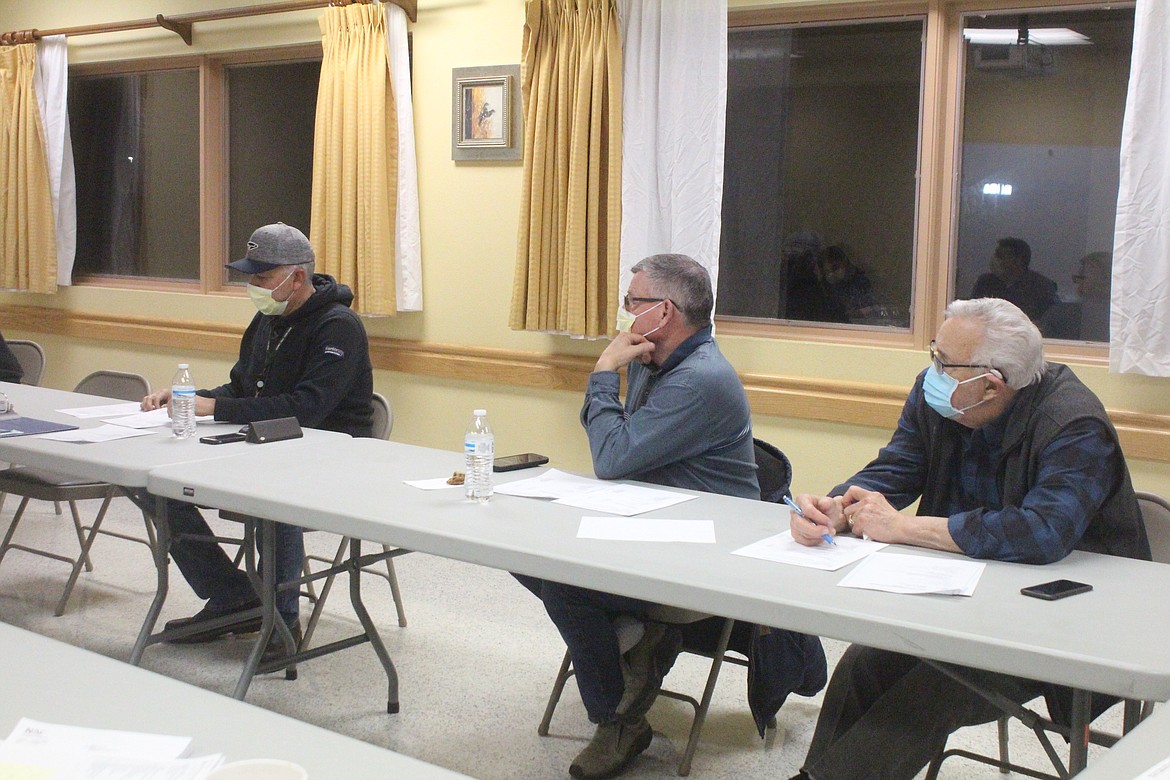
[(570, 219), (355, 158), (27, 233)]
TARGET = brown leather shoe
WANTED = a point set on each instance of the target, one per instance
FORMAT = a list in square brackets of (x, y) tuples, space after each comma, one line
[(614, 745), (275, 648), (246, 625)]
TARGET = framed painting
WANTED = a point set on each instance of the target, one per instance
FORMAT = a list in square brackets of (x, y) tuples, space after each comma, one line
[(485, 113)]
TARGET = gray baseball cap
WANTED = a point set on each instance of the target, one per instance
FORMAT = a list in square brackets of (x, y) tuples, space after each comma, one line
[(272, 246)]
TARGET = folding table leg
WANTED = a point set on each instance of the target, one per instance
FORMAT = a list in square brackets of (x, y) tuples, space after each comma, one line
[(355, 597), (160, 551)]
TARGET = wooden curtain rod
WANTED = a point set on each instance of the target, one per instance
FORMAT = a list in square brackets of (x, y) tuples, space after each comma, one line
[(181, 24)]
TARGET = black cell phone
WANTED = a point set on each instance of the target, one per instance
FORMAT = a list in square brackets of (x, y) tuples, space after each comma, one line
[(514, 462), (1057, 589), (223, 438)]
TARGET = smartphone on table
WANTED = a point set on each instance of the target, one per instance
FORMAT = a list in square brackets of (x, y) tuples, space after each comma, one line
[(1057, 589), (526, 460)]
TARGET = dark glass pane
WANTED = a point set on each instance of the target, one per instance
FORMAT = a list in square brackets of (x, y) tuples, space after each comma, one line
[(271, 110), (1041, 142), (819, 179), (136, 155)]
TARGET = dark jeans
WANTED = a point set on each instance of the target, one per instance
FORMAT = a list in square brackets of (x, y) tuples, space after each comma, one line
[(585, 619), (210, 572), (886, 715)]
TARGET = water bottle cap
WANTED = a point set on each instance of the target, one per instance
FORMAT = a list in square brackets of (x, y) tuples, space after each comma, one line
[(183, 365), (480, 412)]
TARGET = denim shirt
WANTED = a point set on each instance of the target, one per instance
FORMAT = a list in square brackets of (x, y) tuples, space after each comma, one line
[(685, 423)]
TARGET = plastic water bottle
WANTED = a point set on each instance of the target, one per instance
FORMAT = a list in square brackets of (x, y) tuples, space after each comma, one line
[(478, 454), (183, 403)]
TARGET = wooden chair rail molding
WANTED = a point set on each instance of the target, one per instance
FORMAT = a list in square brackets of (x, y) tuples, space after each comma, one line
[(1145, 436)]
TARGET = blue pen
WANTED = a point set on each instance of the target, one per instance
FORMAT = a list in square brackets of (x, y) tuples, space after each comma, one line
[(792, 505)]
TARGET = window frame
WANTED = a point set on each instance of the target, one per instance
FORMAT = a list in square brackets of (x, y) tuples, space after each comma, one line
[(939, 156), (214, 184)]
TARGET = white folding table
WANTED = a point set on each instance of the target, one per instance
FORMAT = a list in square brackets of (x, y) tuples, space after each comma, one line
[(1111, 640), (127, 463), (54, 682)]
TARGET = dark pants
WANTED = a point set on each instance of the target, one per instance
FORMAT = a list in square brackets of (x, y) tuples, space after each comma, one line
[(585, 619), (210, 572), (886, 715)]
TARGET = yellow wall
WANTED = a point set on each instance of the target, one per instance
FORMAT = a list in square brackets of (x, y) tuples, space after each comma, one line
[(469, 216)]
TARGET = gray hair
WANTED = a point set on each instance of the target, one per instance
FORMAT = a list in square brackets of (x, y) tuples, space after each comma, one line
[(1011, 342), (686, 283)]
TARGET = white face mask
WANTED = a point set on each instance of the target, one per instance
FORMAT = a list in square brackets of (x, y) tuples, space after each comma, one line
[(264, 302), (625, 320)]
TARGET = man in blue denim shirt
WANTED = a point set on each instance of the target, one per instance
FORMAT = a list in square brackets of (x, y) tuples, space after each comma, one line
[(686, 423), (1012, 459)]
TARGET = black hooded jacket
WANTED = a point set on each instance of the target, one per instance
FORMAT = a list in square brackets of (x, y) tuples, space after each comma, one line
[(312, 364)]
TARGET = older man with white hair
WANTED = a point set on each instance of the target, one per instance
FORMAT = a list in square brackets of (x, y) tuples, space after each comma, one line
[(1011, 459)]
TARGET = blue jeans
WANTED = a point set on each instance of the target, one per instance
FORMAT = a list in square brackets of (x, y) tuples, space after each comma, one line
[(210, 572), (585, 619)]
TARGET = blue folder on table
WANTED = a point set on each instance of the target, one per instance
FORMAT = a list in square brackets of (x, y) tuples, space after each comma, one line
[(27, 426)]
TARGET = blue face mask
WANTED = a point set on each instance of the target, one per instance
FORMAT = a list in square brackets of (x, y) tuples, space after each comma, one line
[(939, 388)]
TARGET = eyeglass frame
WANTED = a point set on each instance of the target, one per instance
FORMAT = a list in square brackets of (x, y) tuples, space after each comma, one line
[(941, 367), (627, 300)]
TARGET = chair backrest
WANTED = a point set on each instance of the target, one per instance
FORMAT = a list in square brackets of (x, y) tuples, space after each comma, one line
[(383, 417), (115, 384), (774, 472), (31, 358), (1156, 518)]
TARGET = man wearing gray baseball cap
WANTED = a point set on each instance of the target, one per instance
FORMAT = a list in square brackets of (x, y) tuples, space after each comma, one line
[(304, 355)]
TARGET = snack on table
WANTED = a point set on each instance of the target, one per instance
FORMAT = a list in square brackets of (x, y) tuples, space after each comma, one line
[(456, 478)]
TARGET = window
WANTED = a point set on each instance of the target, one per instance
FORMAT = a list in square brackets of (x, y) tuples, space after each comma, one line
[(178, 161), (820, 173), (1044, 97), (136, 154)]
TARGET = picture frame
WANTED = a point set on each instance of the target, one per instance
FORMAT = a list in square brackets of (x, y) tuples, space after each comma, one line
[(485, 113)]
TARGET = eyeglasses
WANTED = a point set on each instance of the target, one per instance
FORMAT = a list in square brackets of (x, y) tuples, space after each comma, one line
[(941, 367), (628, 300)]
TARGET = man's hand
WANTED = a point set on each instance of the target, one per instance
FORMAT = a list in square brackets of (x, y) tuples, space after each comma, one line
[(204, 407), (870, 515), (156, 400), (822, 515), (623, 349)]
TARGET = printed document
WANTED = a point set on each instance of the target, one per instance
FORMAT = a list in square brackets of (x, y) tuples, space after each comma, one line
[(104, 432), (782, 548), (109, 410), (896, 573), (596, 495)]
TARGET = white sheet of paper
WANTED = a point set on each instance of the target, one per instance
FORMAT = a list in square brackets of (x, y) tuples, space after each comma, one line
[(98, 741), (897, 573), (552, 483), (438, 483), (646, 529), (109, 410), (152, 419), (100, 433), (60, 762), (1159, 771), (625, 500), (782, 548)]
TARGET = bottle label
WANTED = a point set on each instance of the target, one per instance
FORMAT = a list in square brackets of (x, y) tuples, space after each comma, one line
[(480, 447)]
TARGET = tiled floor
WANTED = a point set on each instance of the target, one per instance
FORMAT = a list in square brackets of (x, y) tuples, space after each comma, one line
[(476, 664)]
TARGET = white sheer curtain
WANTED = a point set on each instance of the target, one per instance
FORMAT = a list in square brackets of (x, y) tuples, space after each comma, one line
[(51, 81), (408, 252), (674, 104), (1140, 311)]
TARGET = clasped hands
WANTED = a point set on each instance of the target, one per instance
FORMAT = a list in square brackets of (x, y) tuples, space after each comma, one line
[(864, 513)]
